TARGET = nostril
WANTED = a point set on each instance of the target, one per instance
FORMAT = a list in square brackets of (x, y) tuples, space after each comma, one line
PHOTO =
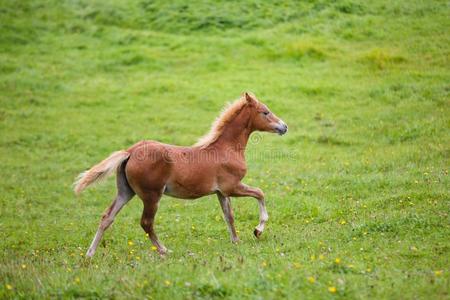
[(281, 127)]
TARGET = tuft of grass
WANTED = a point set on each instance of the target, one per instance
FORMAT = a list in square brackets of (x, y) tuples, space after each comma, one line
[(382, 58), (305, 49)]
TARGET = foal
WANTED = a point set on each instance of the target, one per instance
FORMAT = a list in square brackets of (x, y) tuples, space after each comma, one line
[(214, 165)]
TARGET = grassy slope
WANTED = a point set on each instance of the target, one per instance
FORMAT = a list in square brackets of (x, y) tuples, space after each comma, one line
[(362, 175)]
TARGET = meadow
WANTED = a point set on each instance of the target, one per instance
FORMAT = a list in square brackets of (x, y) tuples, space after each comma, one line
[(357, 191)]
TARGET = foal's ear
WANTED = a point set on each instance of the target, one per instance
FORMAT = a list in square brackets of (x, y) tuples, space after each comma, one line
[(250, 98)]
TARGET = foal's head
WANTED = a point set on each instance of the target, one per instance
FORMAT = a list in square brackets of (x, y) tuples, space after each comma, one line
[(262, 119)]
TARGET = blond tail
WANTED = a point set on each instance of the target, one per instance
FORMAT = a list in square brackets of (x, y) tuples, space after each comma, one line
[(100, 171)]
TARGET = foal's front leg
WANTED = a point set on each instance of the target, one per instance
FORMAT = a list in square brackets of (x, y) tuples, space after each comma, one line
[(225, 203), (243, 190)]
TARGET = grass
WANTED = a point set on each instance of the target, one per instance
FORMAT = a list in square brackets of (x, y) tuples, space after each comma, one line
[(357, 191)]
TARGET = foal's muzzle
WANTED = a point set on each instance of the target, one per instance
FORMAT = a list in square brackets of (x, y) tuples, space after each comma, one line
[(281, 128)]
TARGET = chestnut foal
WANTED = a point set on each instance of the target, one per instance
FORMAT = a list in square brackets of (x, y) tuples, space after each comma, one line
[(214, 165)]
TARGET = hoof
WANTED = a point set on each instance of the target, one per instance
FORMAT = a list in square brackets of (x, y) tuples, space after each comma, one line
[(257, 233), (162, 251), (235, 241)]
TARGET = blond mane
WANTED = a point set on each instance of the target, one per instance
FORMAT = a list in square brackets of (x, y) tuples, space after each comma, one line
[(228, 113)]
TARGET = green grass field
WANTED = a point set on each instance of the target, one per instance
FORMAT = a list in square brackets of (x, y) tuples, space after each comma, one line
[(357, 191)]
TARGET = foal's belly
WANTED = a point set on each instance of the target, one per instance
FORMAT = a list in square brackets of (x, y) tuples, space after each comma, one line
[(190, 183), (188, 191)]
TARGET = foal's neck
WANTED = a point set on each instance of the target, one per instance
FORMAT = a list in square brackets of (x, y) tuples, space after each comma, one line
[(236, 133)]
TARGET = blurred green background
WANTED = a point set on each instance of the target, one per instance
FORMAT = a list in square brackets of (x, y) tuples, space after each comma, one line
[(357, 193)]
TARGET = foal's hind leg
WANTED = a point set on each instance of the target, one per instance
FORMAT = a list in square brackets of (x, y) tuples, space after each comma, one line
[(151, 203), (124, 194), (242, 190)]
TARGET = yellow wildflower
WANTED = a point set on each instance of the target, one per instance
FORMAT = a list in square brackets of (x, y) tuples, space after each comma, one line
[(332, 289), (130, 243), (167, 282), (263, 264), (24, 266), (311, 279), (9, 287), (337, 260), (154, 248), (438, 272)]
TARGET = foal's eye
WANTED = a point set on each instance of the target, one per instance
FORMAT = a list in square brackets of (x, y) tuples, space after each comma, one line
[(266, 113)]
